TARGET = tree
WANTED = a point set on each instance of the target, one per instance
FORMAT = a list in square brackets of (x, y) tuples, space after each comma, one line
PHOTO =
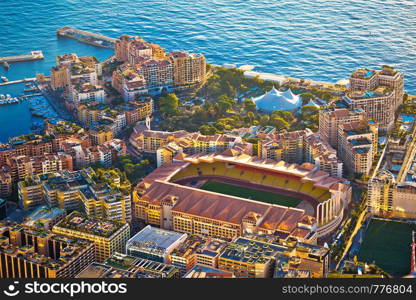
[(169, 104), (225, 103), (306, 97), (207, 129), (249, 105), (405, 98), (326, 96), (264, 120), (250, 116), (280, 123), (307, 111), (223, 107), (286, 115)]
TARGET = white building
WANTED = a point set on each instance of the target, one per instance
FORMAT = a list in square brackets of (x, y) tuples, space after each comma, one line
[(86, 92)]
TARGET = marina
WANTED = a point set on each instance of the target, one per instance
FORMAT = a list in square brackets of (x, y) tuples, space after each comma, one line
[(40, 107)]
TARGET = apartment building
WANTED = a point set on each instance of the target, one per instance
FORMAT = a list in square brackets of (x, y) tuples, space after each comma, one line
[(30, 191), (23, 166), (188, 69), (301, 146), (388, 197), (166, 145), (81, 191), (90, 114), (26, 252), (108, 236), (378, 92), (128, 82), (138, 110), (6, 182), (148, 69), (85, 92), (331, 118), (197, 251), (71, 68), (158, 74), (357, 145)]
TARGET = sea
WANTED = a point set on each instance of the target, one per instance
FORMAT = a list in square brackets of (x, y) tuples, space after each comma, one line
[(322, 40)]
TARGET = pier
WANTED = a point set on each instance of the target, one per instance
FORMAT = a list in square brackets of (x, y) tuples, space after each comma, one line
[(34, 55), (87, 37), (17, 81)]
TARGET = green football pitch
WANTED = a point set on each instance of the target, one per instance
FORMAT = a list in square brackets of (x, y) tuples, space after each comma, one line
[(387, 243), (249, 193)]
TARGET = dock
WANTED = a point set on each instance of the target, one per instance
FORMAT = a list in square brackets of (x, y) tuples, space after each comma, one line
[(87, 37), (33, 55), (17, 81)]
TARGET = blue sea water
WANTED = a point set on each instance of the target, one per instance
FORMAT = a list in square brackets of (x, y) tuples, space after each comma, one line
[(321, 40)]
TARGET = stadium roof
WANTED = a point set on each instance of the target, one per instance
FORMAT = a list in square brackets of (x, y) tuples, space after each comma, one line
[(222, 207)]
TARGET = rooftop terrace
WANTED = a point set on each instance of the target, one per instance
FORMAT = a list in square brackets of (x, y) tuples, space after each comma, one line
[(99, 227)]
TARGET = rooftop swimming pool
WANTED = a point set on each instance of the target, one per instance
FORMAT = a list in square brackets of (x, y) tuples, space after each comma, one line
[(369, 94), (369, 74), (407, 118)]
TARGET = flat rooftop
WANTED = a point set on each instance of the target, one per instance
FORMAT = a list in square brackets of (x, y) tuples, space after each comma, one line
[(78, 222), (154, 238), (251, 251), (43, 213)]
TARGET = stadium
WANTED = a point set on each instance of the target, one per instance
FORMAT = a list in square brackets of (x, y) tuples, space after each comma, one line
[(231, 188)]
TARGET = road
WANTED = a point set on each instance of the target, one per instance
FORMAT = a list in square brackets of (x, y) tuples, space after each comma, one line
[(360, 222)]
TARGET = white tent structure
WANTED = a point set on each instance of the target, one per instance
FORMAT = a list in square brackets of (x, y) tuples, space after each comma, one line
[(311, 102), (276, 100)]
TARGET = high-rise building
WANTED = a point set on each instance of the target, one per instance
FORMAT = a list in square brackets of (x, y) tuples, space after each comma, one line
[(6, 182), (378, 93), (30, 191), (148, 69), (80, 190), (357, 145), (389, 198), (85, 92), (26, 252), (128, 82), (331, 118), (301, 146), (121, 48), (24, 166), (158, 74), (138, 110), (188, 69)]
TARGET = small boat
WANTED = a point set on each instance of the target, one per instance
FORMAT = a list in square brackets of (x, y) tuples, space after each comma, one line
[(4, 79)]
